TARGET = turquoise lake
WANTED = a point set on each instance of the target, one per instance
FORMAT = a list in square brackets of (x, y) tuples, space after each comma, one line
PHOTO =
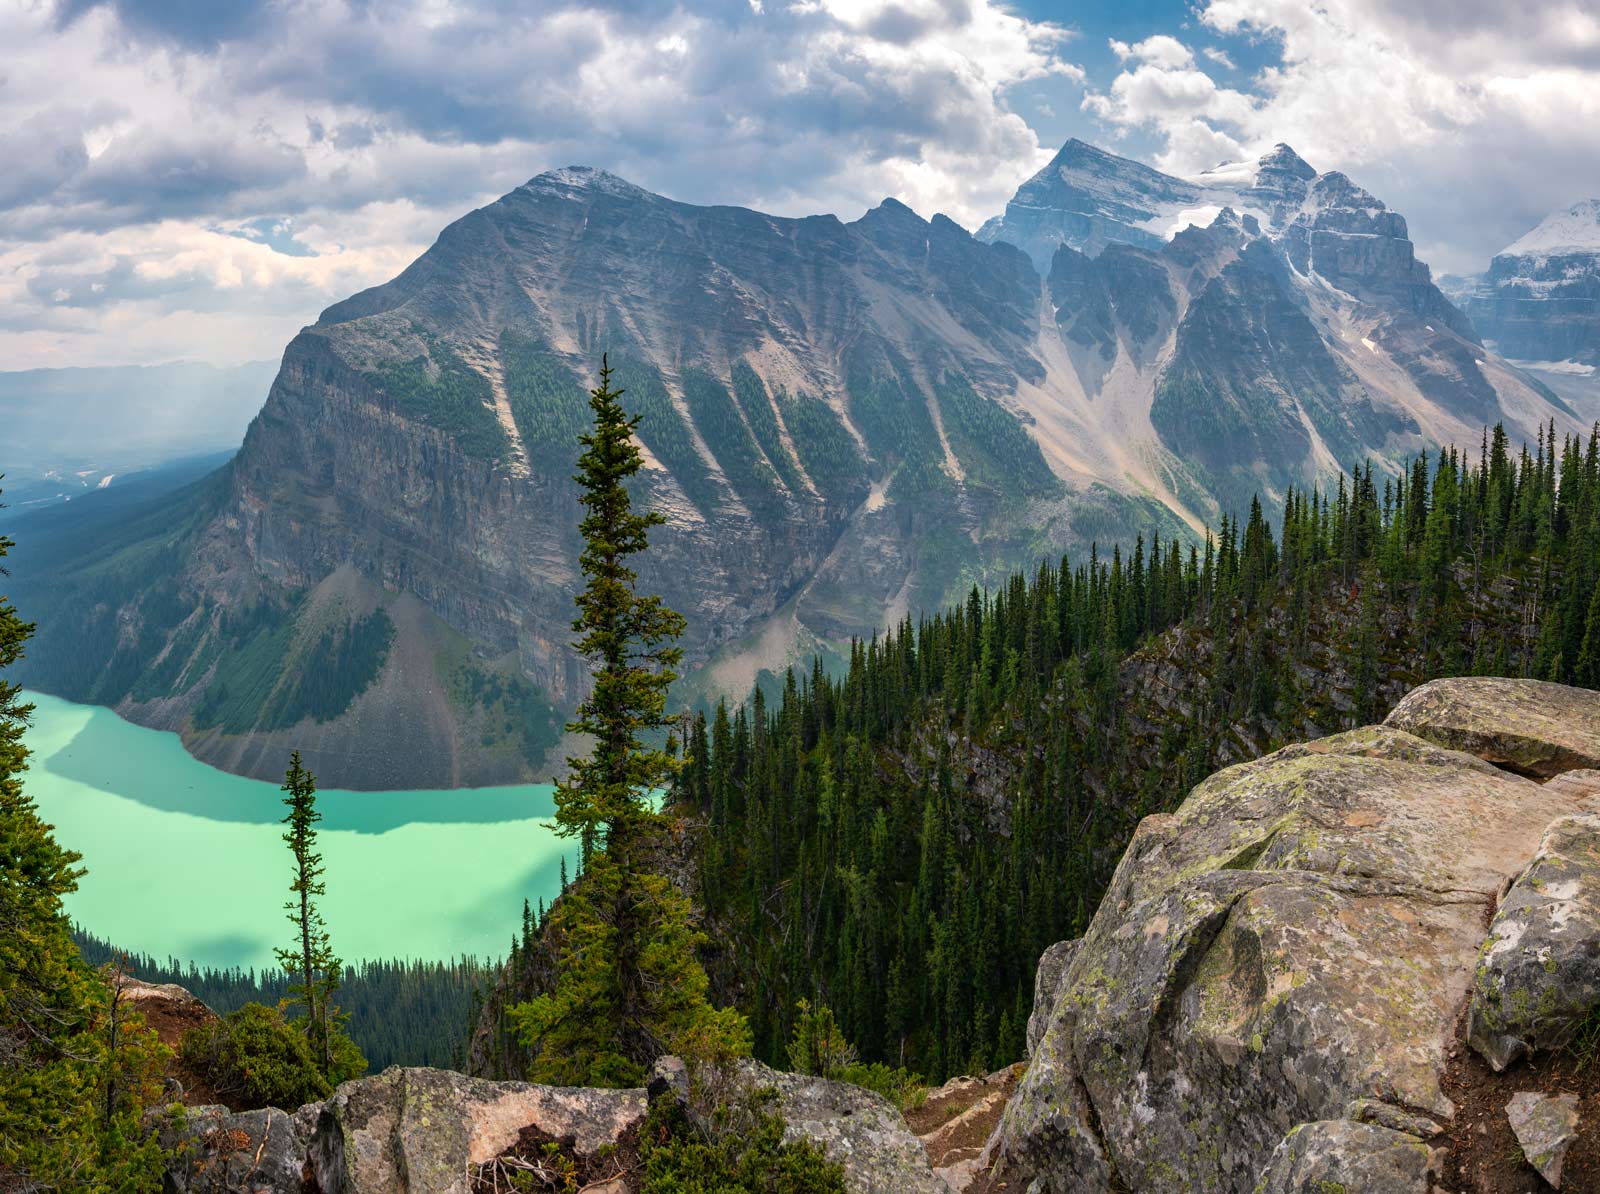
[(187, 861)]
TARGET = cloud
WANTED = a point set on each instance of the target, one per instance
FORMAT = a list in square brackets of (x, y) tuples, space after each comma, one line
[(1161, 51), (172, 163), (1160, 88), (1471, 117)]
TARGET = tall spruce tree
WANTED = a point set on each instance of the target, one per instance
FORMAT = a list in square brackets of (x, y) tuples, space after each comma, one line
[(628, 986), (311, 955), (71, 1092)]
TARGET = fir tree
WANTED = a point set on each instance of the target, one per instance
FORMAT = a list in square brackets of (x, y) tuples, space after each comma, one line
[(628, 986), (75, 1069), (311, 955)]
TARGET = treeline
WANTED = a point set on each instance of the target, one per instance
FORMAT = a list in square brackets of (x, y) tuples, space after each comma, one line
[(900, 843), (401, 1012)]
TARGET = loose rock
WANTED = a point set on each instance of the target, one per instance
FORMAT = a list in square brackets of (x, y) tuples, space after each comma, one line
[(1545, 1127)]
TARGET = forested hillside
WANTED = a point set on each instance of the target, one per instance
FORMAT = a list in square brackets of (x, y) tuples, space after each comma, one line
[(901, 842), (401, 1012)]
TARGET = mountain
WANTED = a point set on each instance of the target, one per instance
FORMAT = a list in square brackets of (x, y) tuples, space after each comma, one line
[(1251, 326), (70, 431), (845, 423), (1540, 299)]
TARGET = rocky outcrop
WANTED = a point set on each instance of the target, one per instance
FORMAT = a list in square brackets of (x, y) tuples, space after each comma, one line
[(1272, 988), (416, 1130), (404, 1131), (1525, 726), (427, 1131), (217, 1151)]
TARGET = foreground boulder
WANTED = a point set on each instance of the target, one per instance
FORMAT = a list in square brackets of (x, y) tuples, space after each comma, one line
[(217, 1151), (422, 1130), (1271, 987), (426, 1131), (1527, 726)]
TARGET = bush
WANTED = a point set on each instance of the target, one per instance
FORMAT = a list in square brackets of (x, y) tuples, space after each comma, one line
[(255, 1058), (818, 1047), (744, 1150)]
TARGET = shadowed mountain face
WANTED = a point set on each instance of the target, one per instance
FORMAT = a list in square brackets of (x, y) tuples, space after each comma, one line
[(844, 423)]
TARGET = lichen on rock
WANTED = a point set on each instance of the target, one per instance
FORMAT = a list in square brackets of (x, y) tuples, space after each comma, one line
[(1538, 977), (1275, 976)]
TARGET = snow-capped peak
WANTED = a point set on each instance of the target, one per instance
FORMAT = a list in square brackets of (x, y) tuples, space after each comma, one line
[(587, 178), (1576, 230)]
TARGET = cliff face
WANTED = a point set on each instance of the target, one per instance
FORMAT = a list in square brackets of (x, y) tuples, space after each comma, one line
[(1281, 982), (844, 423), (1540, 299)]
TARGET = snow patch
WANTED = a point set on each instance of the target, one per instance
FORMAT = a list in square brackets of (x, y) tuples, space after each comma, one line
[(1371, 347), (1574, 368), (1576, 230), (1168, 224)]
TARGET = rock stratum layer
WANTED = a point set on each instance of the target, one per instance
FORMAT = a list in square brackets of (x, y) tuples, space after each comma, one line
[(844, 423), (1271, 994)]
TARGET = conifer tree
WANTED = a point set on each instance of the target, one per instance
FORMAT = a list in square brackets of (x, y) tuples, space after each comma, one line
[(628, 985), (71, 1089), (311, 955)]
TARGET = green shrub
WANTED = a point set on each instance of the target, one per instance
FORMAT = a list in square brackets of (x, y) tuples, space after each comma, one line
[(254, 1058), (743, 1150), (818, 1046)]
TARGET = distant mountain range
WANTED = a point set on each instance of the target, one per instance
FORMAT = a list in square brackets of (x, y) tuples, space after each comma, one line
[(71, 431), (1539, 301), (845, 423)]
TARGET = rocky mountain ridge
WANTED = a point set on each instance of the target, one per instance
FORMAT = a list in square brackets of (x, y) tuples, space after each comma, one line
[(845, 423), (1539, 301)]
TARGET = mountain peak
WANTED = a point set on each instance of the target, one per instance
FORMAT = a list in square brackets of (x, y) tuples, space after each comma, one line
[(584, 178), (1576, 230), (1283, 157)]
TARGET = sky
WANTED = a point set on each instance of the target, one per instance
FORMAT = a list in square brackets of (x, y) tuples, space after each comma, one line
[(197, 179)]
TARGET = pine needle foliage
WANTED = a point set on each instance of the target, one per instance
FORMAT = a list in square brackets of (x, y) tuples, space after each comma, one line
[(628, 986), (311, 955), (76, 1071)]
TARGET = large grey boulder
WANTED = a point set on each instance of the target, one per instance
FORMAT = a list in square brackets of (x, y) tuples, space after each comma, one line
[(1344, 1156), (1545, 1128), (217, 1151), (1527, 726), (1296, 942), (1047, 978), (856, 1128), (1538, 978), (423, 1131)]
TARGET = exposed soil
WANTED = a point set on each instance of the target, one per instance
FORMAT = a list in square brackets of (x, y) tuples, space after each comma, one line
[(1483, 1156), (956, 1121), (539, 1163), (171, 1016)]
